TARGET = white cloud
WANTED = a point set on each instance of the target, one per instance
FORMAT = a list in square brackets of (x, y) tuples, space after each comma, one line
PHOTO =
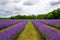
[(57, 2), (26, 7)]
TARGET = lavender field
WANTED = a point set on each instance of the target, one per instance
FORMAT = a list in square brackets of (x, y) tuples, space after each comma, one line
[(29, 29)]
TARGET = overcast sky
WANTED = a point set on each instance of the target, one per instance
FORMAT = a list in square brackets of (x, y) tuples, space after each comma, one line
[(27, 7)]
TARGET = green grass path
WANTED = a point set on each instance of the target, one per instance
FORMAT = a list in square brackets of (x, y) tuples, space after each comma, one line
[(29, 33)]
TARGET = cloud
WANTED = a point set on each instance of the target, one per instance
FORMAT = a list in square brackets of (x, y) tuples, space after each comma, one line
[(16, 1), (17, 9), (55, 3), (26, 7), (30, 2)]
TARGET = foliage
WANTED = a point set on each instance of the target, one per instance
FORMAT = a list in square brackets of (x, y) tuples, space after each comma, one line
[(23, 17), (55, 14)]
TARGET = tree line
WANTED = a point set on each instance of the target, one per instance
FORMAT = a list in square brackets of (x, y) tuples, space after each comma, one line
[(55, 14)]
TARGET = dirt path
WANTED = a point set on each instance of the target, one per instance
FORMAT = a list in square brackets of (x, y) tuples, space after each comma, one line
[(29, 33)]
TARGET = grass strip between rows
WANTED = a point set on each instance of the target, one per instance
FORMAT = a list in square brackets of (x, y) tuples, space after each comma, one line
[(29, 33)]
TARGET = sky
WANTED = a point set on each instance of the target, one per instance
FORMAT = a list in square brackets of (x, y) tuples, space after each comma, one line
[(27, 7)]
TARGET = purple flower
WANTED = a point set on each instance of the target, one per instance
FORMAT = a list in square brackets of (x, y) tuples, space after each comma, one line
[(48, 32), (12, 33)]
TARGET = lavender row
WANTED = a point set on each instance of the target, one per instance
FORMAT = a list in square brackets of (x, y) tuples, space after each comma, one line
[(12, 33), (52, 22), (5, 23), (47, 32)]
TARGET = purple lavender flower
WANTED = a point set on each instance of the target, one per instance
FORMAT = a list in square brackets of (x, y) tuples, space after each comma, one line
[(47, 32), (52, 22), (12, 33), (5, 23)]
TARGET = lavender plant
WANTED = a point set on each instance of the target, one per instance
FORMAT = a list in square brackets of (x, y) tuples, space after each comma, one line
[(12, 33), (48, 32)]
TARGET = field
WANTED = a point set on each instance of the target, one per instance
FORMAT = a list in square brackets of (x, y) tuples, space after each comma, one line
[(29, 29)]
